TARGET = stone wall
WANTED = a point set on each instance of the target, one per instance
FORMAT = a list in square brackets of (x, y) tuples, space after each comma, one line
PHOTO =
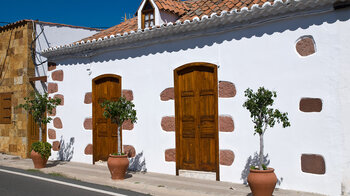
[(16, 68)]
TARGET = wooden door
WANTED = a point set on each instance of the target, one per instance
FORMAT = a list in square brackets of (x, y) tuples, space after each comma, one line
[(196, 113), (33, 133), (105, 136)]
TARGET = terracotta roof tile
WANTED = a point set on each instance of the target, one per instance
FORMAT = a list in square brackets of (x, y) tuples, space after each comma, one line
[(126, 26), (186, 10), (199, 7), (175, 6)]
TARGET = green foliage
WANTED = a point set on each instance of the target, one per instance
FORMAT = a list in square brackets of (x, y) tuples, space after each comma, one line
[(258, 104), (37, 104), (43, 148), (119, 111), (256, 167)]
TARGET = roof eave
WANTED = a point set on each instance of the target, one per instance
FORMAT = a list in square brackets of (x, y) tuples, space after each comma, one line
[(243, 15)]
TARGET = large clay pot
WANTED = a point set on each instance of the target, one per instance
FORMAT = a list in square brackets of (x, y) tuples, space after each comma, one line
[(117, 165), (38, 161), (262, 182)]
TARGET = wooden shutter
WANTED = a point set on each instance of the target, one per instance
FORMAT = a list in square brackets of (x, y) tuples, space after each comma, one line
[(5, 108)]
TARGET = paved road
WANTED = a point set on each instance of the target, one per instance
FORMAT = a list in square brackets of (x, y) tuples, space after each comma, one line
[(15, 182)]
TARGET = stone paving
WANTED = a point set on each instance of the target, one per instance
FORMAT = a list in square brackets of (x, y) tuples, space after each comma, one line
[(148, 183)]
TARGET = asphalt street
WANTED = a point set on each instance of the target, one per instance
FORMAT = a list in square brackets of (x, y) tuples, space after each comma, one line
[(15, 182)]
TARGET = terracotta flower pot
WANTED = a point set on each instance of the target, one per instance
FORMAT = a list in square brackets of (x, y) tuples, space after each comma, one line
[(38, 161), (117, 165), (262, 182)]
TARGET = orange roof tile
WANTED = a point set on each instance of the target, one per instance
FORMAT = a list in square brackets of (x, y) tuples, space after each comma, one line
[(175, 6), (126, 26), (200, 8), (186, 10)]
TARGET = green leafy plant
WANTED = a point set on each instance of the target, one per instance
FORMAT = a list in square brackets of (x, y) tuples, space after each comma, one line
[(119, 111), (37, 105), (259, 104), (43, 148)]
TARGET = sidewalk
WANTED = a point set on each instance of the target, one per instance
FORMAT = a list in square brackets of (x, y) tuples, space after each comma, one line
[(148, 183)]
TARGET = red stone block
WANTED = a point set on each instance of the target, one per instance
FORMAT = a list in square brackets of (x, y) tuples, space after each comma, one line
[(226, 157), (167, 94), (168, 123), (170, 155)]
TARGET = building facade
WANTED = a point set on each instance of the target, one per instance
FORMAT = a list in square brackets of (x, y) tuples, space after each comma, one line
[(186, 64)]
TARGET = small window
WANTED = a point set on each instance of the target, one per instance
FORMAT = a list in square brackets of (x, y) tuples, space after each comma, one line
[(148, 15), (5, 108)]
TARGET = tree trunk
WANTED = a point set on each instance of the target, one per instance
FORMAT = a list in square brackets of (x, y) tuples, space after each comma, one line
[(261, 154), (119, 140), (40, 133)]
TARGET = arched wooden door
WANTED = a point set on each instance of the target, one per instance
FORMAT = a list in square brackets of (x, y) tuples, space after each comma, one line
[(105, 137), (196, 113)]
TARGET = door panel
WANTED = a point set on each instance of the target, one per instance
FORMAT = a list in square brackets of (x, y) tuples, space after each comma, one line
[(33, 133), (196, 117), (105, 137)]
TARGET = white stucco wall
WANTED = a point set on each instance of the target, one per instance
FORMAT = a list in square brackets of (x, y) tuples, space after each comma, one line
[(263, 55), (54, 35)]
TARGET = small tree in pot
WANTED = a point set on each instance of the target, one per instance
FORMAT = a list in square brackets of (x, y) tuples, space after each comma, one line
[(37, 105), (262, 180), (119, 111)]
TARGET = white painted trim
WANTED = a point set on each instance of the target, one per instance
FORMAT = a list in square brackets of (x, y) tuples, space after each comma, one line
[(63, 183), (157, 17)]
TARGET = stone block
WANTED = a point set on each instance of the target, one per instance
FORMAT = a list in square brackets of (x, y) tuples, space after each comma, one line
[(19, 34), (170, 155), (128, 125), (21, 133), (227, 89), (56, 146), (128, 94), (168, 123), (57, 75), (88, 149), (226, 157), (310, 105), (52, 134), (167, 94), (313, 163), (57, 123), (226, 124), (88, 98), (12, 147), (306, 46), (52, 88), (88, 124)]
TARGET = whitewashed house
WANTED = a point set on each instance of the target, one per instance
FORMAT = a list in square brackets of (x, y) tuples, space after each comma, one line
[(186, 64)]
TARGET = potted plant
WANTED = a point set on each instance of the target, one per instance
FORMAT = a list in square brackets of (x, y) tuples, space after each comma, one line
[(119, 111), (37, 105), (262, 180)]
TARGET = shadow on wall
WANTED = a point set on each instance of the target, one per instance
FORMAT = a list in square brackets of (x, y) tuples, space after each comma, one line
[(193, 40), (254, 161), (66, 150), (138, 163)]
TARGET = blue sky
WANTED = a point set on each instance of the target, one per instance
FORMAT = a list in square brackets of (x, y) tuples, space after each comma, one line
[(87, 13)]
